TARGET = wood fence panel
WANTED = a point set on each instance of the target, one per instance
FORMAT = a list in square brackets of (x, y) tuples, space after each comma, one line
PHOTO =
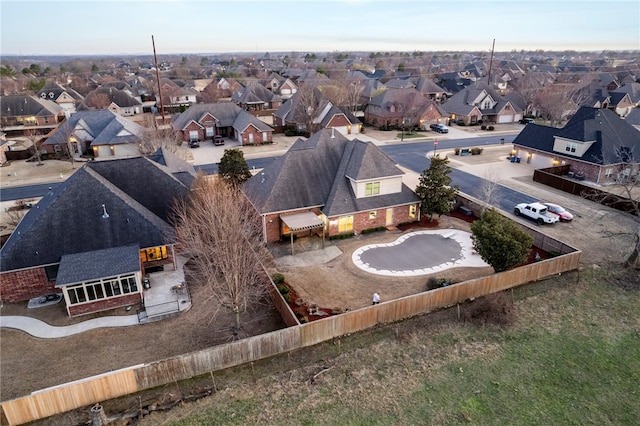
[(70, 396), (217, 358)]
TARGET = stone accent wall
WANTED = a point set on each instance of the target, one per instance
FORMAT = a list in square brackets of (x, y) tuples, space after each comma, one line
[(103, 305), (18, 286)]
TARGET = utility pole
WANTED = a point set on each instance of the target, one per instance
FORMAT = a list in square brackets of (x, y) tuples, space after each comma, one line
[(155, 59), (491, 63)]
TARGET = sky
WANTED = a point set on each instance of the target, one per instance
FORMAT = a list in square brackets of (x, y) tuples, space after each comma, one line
[(118, 27)]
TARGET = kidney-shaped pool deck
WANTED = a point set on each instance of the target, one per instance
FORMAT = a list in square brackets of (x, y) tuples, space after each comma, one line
[(419, 253)]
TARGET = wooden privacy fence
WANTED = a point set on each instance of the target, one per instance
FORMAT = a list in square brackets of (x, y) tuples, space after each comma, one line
[(110, 385)]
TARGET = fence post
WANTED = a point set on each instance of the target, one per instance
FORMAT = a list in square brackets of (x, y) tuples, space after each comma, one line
[(98, 417)]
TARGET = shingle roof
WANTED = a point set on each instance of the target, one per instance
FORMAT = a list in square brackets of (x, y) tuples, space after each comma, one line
[(104, 127), (116, 96), (93, 265), (336, 110), (70, 220), (601, 126), (224, 112), (244, 120), (20, 105), (316, 172)]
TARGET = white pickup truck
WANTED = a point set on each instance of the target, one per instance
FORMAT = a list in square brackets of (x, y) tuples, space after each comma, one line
[(535, 211)]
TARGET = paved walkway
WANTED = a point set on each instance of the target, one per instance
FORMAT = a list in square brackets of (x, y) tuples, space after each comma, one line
[(41, 329)]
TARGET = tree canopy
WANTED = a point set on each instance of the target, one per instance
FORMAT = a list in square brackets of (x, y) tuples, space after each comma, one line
[(435, 194), (499, 241), (233, 167)]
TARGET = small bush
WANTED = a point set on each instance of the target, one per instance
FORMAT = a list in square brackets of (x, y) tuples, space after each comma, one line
[(483, 127), (287, 297), (336, 311), (476, 151), (435, 282), (278, 278), (456, 151), (284, 289), (341, 236), (490, 128), (370, 230), (492, 309)]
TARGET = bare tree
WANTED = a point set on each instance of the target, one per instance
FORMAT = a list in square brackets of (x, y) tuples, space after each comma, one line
[(307, 104), (68, 138), (529, 86), (555, 102), (488, 189), (97, 100), (36, 143), (221, 232), (153, 139)]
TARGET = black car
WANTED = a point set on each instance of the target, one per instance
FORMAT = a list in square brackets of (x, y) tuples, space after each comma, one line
[(194, 143), (527, 120)]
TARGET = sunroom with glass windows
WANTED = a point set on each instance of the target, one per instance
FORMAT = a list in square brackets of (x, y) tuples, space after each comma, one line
[(99, 280)]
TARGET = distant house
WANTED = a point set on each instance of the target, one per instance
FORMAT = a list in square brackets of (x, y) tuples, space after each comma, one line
[(403, 107), (22, 113), (478, 102), (118, 101), (102, 133), (93, 237), (67, 98), (282, 86), (204, 121), (329, 184), (597, 144), (256, 97)]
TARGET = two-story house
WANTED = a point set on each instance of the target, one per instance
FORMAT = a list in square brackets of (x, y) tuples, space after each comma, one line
[(67, 98), (22, 113), (598, 145), (330, 185), (478, 102), (403, 108)]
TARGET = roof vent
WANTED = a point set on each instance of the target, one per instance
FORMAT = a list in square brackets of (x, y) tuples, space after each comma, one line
[(105, 215)]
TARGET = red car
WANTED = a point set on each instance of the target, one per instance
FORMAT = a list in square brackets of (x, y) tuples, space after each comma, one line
[(564, 215)]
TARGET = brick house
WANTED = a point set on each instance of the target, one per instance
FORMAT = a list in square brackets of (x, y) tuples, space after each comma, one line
[(204, 121), (67, 98), (22, 113), (393, 107), (93, 237), (330, 185), (599, 146), (479, 102)]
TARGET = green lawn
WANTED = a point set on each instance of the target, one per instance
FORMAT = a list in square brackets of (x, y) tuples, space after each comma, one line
[(572, 356)]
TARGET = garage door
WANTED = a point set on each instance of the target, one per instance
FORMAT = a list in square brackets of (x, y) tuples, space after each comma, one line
[(505, 119), (342, 129), (193, 135)]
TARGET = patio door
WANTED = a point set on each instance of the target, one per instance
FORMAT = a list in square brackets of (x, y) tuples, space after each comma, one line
[(389, 219)]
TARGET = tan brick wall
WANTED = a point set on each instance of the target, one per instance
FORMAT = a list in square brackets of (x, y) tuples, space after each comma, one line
[(18, 286)]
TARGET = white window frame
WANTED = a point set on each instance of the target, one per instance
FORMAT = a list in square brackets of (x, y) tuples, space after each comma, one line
[(103, 289)]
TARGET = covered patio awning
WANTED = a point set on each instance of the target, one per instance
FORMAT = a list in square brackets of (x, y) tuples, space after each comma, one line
[(302, 221)]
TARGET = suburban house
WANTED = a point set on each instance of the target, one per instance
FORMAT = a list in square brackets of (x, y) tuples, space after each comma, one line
[(256, 97), (599, 146), (403, 107), (101, 133), (68, 99), (93, 237), (324, 115), (478, 102), (204, 121), (117, 100), (330, 185), (281, 86), (24, 113)]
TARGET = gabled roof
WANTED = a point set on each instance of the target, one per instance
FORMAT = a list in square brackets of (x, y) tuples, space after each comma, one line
[(224, 112), (633, 117), (254, 94), (21, 105), (93, 265), (116, 96), (244, 120), (406, 99), (427, 86), (55, 89), (105, 128), (182, 170), (337, 110), (71, 219), (317, 173), (608, 132)]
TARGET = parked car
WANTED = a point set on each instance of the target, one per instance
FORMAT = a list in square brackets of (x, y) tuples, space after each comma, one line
[(527, 120), (563, 214), (194, 143), (218, 140), (535, 211), (440, 128)]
